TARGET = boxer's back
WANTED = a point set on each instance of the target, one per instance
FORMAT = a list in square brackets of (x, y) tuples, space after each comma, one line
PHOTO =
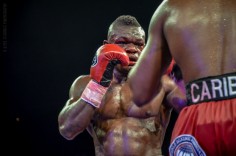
[(201, 35)]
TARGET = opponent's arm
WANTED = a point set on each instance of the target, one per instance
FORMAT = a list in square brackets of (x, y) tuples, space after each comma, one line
[(153, 107), (171, 95), (86, 94), (175, 96), (145, 77), (174, 87), (150, 109)]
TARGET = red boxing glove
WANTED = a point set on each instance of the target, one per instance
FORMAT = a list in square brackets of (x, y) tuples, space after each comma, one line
[(170, 68), (101, 72), (174, 71), (104, 61)]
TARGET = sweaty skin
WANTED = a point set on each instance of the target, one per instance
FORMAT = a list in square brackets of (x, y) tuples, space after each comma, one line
[(199, 35), (119, 127)]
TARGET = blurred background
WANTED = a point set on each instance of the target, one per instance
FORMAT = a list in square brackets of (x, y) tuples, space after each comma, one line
[(46, 44)]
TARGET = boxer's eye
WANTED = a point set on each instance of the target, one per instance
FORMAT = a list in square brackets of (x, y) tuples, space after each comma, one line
[(121, 42)]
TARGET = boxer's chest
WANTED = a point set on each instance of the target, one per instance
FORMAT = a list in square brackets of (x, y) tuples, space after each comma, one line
[(116, 102)]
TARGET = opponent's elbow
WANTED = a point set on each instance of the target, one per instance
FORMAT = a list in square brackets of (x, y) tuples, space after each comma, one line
[(140, 96), (141, 100)]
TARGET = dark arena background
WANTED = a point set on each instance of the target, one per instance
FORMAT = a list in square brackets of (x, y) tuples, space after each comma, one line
[(45, 45)]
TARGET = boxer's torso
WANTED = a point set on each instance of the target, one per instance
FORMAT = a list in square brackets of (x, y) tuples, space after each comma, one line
[(124, 135), (201, 36)]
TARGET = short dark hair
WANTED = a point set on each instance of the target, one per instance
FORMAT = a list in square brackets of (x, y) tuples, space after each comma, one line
[(124, 20), (127, 20)]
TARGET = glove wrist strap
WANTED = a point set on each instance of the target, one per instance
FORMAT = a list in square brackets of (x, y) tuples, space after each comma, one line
[(93, 93)]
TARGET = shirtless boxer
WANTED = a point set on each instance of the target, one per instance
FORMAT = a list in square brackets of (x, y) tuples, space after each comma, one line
[(200, 35), (102, 101)]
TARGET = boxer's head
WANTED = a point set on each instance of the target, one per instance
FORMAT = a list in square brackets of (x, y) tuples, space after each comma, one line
[(128, 34)]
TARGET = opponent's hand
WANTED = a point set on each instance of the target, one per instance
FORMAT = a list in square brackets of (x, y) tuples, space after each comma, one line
[(101, 72), (104, 61)]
